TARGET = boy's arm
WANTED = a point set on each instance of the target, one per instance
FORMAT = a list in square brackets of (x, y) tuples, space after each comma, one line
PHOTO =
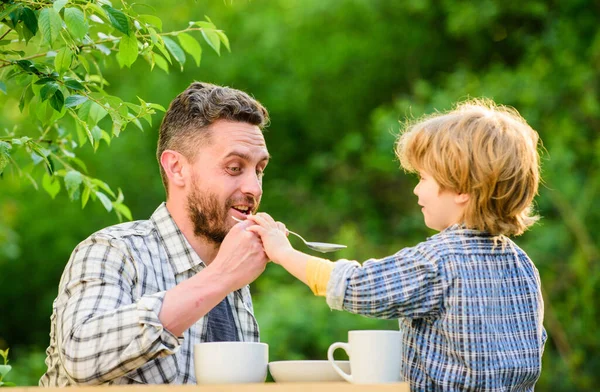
[(312, 271)]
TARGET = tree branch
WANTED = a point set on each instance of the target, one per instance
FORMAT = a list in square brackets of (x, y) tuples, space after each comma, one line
[(102, 41)]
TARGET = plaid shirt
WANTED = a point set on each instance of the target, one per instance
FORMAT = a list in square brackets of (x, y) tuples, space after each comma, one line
[(105, 326), (469, 306)]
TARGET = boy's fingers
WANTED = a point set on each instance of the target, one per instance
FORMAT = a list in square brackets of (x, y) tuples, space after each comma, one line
[(262, 219), (256, 230)]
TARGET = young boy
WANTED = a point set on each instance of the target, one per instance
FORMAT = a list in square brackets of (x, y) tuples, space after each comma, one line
[(468, 299)]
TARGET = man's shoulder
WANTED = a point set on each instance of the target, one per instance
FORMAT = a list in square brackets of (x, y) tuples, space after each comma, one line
[(124, 232)]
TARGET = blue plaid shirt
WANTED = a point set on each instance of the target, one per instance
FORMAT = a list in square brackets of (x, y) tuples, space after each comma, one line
[(469, 305)]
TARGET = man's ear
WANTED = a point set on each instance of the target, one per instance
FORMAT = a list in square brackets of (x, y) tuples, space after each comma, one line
[(461, 198), (175, 166)]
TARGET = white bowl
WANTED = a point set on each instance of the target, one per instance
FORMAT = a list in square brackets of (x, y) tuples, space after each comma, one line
[(307, 371), (231, 362)]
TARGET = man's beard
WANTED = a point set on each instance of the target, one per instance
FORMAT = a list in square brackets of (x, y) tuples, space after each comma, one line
[(211, 220)]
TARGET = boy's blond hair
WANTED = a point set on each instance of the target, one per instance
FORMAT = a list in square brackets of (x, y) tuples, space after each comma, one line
[(482, 149)]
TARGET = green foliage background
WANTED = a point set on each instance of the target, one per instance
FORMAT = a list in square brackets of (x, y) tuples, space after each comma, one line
[(338, 78)]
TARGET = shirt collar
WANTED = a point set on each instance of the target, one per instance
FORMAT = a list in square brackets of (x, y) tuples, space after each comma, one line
[(179, 252)]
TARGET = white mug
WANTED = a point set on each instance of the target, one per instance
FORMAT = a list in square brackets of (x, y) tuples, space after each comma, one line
[(231, 362), (374, 356)]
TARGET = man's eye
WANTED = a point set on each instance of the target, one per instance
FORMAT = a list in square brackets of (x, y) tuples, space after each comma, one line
[(235, 169), (260, 173)]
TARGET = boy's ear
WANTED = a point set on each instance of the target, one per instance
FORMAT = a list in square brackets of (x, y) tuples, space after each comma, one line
[(461, 198)]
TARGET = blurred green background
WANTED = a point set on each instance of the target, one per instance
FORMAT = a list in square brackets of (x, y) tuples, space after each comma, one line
[(338, 77)]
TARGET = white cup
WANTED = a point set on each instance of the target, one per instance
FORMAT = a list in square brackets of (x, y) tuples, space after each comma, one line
[(231, 362), (374, 356)]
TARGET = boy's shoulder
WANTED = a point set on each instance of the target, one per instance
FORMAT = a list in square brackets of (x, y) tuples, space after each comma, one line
[(458, 238)]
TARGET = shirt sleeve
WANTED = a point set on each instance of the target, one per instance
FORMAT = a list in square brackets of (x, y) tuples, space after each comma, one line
[(105, 328), (318, 272), (406, 284)]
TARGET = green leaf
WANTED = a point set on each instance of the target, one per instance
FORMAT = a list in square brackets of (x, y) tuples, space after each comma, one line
[(96, 134), (45, 80), (48, 90), (98, 11), (175, 50), (8, 10), (118, 125), (92, 113), (104, 186), (50, 23), (161, 62), (204, 25), (43, 111), (128, 51), (105, 136), (4, 369), (79, 163), (84, 63), (73, 180), (27, 66), (29, 19), (75, 100), (120, 197), (118, 19), (105, 201), (4, 149), (51, 185), (224, 39), (190, 45), (148, 119), (25, 97), (152, 20), (157, 106), (123, 210), (15, 17), (21, 141), (76, 23), (160, 45), (62, 61), (212, 38), (41, 154), (83, 132), (74, 85), (57, 101), (85, 196), (59, 4), (3, 87)]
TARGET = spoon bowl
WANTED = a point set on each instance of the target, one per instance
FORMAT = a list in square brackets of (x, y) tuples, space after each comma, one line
[(322, 247)]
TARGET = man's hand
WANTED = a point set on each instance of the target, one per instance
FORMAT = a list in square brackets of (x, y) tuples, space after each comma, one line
[(241, 257)]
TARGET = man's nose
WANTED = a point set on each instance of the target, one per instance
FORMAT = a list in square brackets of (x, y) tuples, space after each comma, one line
[(252, 185)]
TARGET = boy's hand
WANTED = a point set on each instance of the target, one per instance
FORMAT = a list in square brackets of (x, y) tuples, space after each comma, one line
[(273, 235)]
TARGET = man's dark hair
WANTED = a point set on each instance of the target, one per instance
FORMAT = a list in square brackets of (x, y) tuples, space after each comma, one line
[(185, 125)]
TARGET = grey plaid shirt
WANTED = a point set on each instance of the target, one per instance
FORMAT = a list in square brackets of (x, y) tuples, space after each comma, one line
[(105, 326), (470, 308)]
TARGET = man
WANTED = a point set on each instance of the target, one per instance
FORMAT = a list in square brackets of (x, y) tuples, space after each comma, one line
[(135, 297)]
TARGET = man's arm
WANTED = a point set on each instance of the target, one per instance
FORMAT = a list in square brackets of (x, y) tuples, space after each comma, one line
[(103, 334)]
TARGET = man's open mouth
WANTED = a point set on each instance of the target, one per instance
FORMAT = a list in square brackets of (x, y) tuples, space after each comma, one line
[(246, 210)]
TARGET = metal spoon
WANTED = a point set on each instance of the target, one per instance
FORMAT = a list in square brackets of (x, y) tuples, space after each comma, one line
[(322, 247)]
